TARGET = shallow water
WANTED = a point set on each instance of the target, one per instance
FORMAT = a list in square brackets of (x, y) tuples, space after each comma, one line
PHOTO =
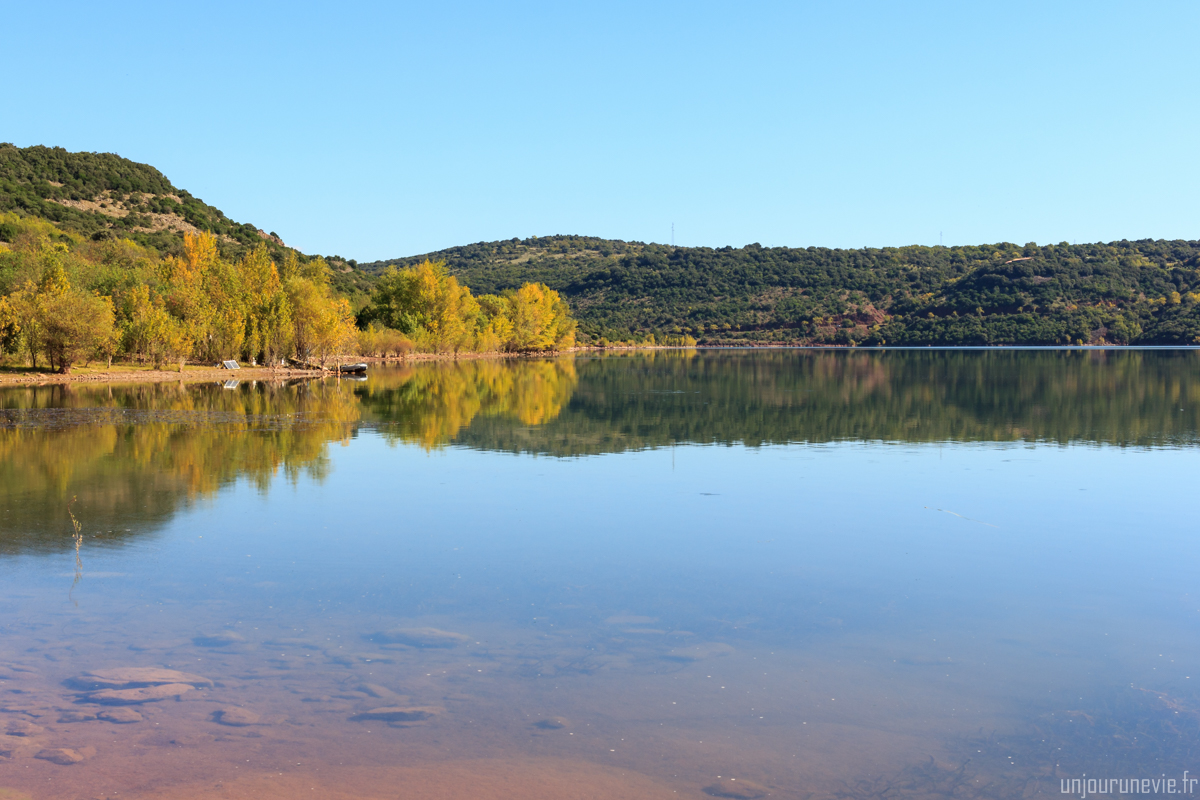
[(819, 574)]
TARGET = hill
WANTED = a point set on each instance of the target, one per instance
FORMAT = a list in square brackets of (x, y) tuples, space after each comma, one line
[(102, 196), (102, 258), (1140, 292)]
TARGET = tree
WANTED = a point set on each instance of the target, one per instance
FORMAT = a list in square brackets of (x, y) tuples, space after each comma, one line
[(334, 329), (268, 322), (76, 325), (540, 319), (150, 331), (25, 317), (427, 303)]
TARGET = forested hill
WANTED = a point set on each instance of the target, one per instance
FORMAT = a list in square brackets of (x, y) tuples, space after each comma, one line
[(1141, 292), (104, 196)]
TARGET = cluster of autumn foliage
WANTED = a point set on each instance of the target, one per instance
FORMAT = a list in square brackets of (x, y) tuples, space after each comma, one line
[(427, 303), (66, 300)]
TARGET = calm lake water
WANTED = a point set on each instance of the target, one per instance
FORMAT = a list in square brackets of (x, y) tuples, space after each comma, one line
[(794, 574)]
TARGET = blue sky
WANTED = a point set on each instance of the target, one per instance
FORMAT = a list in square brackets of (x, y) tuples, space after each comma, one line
[(376, 130)]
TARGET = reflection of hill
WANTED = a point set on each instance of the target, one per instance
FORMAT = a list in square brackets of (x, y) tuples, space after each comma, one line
[(430, 403), (132, 455), (1113, 397)]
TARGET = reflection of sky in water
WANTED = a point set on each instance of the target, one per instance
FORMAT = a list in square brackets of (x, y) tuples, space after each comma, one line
[(932, 591)]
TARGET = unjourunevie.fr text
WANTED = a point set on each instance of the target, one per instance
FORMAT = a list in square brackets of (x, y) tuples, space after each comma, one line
[(1096, 786)]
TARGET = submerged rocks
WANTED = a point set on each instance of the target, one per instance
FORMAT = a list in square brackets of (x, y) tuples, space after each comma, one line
[(221, 639), (419, 637), (144, 694), (20, 737), (399, 714), (293, 642), (736, 789), (76, 716), (120, 716), (235, 716), (11, 746), (551, 724), (21, 727), (65, 756), (125, 686), (157, 644), (134, 677), (381, 693)]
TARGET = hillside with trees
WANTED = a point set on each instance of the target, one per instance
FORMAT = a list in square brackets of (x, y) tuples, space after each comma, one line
[(115, 224), (65, 300), (1142, 292), (103, 258), (102, 196)]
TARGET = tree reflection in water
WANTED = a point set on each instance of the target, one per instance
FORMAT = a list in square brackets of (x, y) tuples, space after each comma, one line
[(133, 455)]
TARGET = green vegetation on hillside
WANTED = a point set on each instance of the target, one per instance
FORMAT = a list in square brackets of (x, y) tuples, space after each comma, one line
[(103, 257), (101, 196), (103, 207), (1143, 292)]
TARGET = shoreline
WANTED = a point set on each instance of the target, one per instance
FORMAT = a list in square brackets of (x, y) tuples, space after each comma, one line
[(123, 374), (9, 376), (196, 373)]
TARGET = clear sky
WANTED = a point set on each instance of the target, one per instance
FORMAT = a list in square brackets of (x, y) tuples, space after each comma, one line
[(375, 130)]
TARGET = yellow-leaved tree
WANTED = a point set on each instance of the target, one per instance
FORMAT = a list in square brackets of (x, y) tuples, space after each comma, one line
[(150, 331), (268, 315), (540, 318), (427, 303)]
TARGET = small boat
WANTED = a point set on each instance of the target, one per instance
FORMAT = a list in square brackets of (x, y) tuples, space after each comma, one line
[(352, 369)]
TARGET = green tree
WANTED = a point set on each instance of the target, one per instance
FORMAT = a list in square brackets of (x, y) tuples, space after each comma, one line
[(75, 326)]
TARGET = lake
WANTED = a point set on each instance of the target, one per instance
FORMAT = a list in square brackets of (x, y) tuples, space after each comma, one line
[(687, 574)]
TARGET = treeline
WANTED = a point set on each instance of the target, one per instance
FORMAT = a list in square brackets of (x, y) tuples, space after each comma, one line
[(63, 304), (66, 299), (1143, 292)]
